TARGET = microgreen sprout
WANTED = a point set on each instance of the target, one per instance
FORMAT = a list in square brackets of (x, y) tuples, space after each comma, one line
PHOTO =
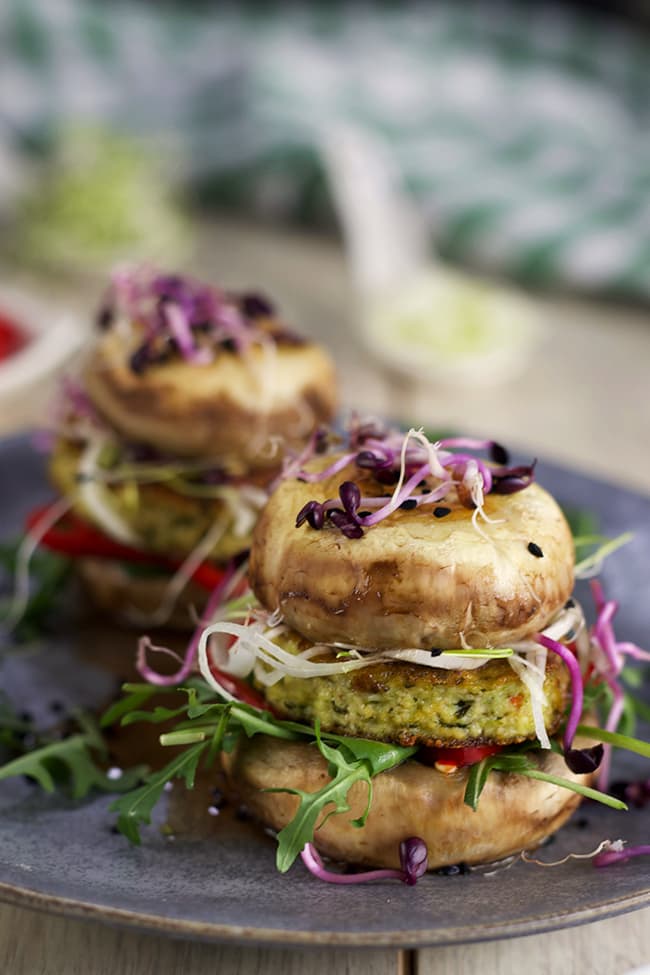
[(422, 473), (413, 861)]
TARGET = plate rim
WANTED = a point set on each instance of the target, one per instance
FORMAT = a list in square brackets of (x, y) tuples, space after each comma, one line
[(245, 935)]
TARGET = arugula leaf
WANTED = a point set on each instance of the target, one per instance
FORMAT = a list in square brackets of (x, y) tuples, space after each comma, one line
[(71, 762), (354, 760), (581, 522), (157, 716), (12, 728), (641, 708), (377, 754), (294, 836), (582, 790), (135, 808), (48, 574), (521, 764), (616, 739), (478, 773), (593, 561), (135, 695), (213, 725)]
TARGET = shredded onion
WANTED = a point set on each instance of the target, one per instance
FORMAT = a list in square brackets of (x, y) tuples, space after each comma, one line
[(93, 495), (187, 663), (181, 577), (532, 673)]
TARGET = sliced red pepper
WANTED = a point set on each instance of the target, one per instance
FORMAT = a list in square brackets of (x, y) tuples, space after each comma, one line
[(240, 689), (75, 537), (12, 337), (464, 755)]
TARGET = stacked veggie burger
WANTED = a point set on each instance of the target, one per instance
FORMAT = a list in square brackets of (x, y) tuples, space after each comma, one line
[(188, 401), (417, 616)]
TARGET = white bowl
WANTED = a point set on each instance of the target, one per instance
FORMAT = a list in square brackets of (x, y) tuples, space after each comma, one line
[(26, 377)]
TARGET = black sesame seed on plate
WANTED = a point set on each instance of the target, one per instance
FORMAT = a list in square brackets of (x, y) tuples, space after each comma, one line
[(535, 550), (409, 504), (440, 512), (434, 652)]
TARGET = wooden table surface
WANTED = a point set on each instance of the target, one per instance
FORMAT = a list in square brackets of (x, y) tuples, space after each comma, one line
[(582, 400)]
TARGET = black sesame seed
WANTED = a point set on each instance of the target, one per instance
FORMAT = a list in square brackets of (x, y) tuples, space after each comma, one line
[(434, 652), (363, 514), (409, 504), (581, 823), (422, 483), (425, 490), (535, 550), (440, 512), (569, 604)]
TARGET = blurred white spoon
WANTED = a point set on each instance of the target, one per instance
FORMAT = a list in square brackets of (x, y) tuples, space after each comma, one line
[(416, 314)]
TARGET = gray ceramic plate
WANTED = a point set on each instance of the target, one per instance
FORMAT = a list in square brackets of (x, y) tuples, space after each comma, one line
[(63, 857)]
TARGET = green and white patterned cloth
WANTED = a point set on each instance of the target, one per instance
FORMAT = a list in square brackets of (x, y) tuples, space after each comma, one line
[(521, 128)]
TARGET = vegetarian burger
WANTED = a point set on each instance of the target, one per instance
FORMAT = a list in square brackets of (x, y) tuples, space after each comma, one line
[(189, 400), (419, 596)]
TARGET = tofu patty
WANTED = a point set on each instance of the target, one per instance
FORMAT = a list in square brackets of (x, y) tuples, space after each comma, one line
[(163, 520), (415, 705)]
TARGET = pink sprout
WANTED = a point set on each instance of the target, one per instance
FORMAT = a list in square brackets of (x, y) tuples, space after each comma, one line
[(614, 653), (413, 859), (577, 691), (618, 853), (179, 327), (187, 662)]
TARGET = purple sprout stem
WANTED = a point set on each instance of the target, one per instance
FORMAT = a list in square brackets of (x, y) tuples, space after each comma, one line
[(611, 724), (313, 476), (144, 644), (609, 857), (396, 500), (468, 443), (576, 685), (314, 864), (461, 460)]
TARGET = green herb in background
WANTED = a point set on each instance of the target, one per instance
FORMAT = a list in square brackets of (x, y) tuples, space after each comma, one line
[(49, 574)]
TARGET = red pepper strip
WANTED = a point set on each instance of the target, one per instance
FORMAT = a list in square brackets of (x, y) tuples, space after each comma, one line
[(459, 757), (12, 338), (240, 689), (75, 537)]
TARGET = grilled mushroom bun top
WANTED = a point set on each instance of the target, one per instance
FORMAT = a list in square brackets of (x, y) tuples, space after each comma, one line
[(239, 405), (427, 577)]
